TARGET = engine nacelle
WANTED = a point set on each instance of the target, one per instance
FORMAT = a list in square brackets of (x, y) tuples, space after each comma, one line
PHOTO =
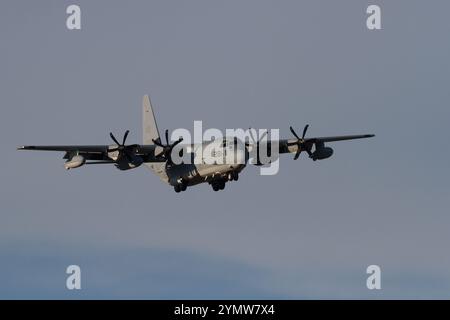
[(124, 164), (322, 153), (75, 162)]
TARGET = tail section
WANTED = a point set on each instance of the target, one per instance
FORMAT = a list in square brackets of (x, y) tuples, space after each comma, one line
[(150, 132), (149, 126)]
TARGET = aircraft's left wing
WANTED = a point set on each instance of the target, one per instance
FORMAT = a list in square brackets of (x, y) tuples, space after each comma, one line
[(321, 152), (339, 138)]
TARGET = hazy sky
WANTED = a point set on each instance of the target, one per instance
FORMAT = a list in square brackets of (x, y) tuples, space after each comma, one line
[(308, 232)]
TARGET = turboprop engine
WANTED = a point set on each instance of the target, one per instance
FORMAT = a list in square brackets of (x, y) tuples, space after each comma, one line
[(321, 152), (75, 162), (125, 156)]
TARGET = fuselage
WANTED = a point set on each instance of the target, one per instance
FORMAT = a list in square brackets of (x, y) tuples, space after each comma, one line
[(207, 162)]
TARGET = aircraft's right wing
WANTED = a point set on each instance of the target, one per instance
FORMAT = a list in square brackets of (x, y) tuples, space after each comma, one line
[(84, 149), (95, 152)]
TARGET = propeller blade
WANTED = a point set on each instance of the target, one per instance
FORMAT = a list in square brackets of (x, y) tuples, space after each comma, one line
[(297, 154), (177, 142), (262, 136), (253, 137), (114, 138), (167, 148), (304, 131), (250, 130), (293, 132), (125, 137), (156, 142)]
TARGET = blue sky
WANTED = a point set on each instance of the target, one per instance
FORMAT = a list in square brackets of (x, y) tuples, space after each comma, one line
[(308, 232)]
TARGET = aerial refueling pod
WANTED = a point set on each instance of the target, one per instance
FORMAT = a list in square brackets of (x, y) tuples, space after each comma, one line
[(75, 162), (322, 153)]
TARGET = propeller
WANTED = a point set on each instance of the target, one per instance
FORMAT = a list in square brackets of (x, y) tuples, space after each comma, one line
[(256, 144), (123, 149), (301, 143), (253, 138), (167, 148)]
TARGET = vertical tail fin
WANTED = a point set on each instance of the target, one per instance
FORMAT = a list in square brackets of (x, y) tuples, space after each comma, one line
[(149, 127), (149, 132)]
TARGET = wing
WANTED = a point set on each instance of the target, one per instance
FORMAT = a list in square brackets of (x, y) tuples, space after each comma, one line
[(99, 153), (339, 138), (86, 149), (291, 145)]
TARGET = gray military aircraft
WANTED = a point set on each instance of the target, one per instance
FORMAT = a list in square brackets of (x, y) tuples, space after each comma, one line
[(158, 156)]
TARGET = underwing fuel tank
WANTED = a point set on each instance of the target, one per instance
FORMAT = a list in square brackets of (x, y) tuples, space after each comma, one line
[(75, 162)]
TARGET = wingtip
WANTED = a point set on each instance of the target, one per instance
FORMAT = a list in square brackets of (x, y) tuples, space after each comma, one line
[(25, 147)]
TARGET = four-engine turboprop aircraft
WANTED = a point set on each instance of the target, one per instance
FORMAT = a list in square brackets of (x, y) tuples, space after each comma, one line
[(157, 155)]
